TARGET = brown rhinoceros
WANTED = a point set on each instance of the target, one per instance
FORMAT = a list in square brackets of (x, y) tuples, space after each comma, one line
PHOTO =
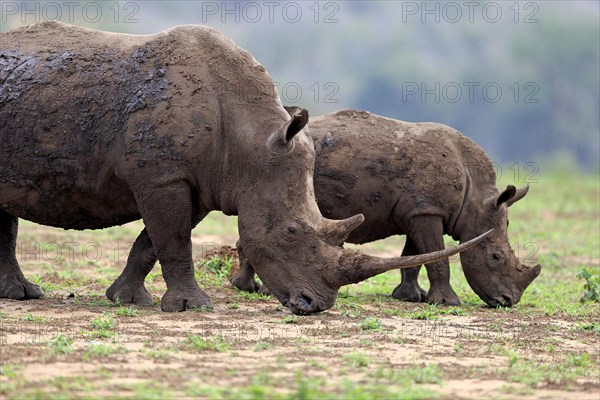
[(423, 180), (98, 129)]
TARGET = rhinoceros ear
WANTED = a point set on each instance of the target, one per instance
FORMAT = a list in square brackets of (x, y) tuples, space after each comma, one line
[(291, 128), (521, 192), (504, 197)]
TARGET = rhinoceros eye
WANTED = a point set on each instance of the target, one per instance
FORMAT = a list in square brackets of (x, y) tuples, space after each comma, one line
[(496, 257), (291, 230)]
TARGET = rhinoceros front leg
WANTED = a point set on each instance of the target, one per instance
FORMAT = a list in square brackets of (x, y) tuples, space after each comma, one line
[(13, 284), (129, 287), (409, 288), (168, 215), (427, 235)]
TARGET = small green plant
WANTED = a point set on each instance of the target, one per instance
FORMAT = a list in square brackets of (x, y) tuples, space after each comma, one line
[(60, 344), (103, 326), (592, 285), (589, 326), (103, 322), (200, 343), (371, 324)]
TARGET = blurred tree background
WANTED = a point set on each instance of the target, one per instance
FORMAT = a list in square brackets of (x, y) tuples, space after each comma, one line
[(524, 84)]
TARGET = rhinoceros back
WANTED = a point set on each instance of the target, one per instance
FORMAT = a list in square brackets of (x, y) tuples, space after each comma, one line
[(77, 105)]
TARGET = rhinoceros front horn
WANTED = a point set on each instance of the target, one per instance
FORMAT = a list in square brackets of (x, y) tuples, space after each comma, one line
[(336, 232), (355, 267)]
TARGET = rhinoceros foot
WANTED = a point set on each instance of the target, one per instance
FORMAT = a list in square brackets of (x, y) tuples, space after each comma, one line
[(407, 292), (18, 288), (122, 292), (445, 297), (175, 300)]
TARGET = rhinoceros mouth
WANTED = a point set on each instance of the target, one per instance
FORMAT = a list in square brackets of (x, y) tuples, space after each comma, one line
[(501, 301)]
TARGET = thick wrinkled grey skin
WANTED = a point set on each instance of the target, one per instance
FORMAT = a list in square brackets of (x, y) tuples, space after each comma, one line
[(99, 129), (423, 180)]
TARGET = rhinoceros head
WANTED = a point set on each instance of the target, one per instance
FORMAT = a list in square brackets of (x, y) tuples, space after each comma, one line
[(295, 251), (492, 269)]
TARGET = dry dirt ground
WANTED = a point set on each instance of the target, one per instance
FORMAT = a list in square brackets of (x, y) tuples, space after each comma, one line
[(75, 344)]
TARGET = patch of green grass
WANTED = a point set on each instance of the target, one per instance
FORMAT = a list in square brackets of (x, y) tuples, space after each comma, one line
[(60, 344), (432, 312), (38, 319), (130, 311), (72, 383), (199, 343), (8, 370), (164, 354), (241, 295), (357, 359), (562, 372), (290, 319), (262, 345), (429, 312), (371, 325), (422, 374), (264, 386), (148, 390), (102, 350)]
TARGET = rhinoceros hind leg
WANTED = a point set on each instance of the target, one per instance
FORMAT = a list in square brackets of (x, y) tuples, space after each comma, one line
[(129, 287), (427, 235), (13, 284), (409, 288)]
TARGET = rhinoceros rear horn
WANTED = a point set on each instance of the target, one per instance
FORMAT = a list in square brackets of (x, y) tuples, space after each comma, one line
[(291, 128), (336, 232)]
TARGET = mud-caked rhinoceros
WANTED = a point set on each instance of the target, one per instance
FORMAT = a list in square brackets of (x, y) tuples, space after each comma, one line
[(98, 129), (423, 180)]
